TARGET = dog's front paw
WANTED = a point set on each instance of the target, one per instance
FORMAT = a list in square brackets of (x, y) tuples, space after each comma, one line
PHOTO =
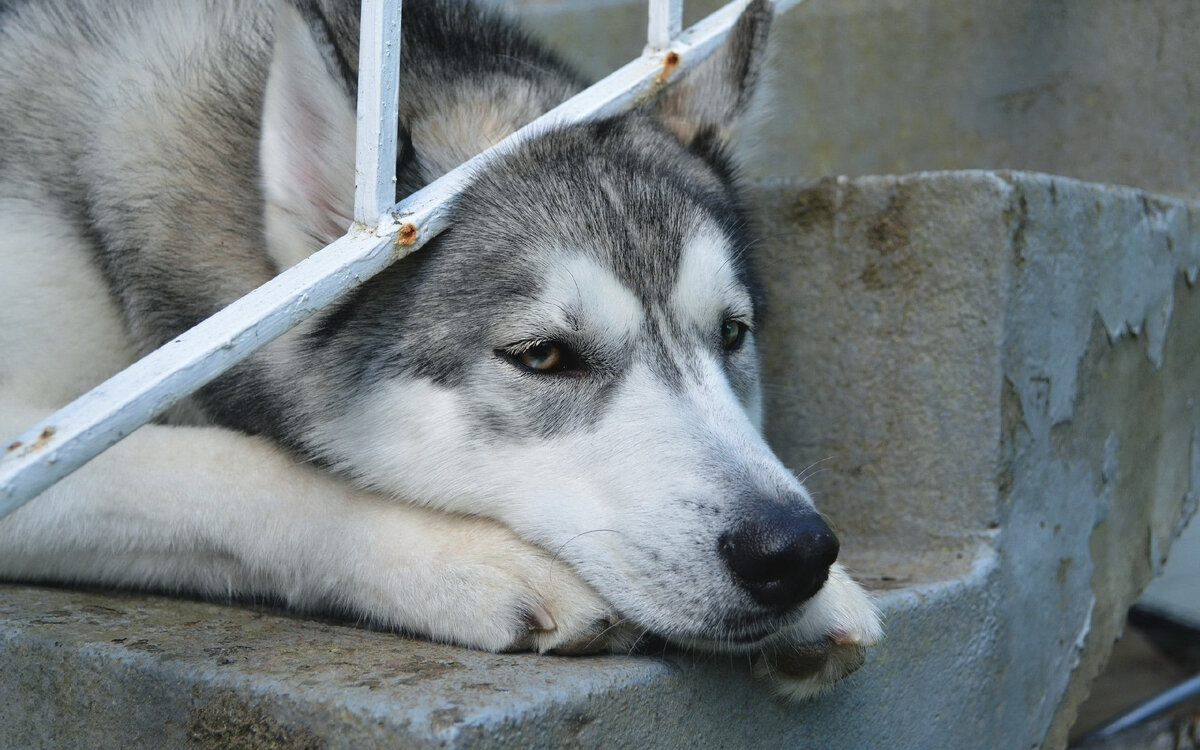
[(471, 582), (559, 613), (826, 645)]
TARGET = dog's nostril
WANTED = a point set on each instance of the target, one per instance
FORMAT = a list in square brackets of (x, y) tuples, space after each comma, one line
[(782, 557)]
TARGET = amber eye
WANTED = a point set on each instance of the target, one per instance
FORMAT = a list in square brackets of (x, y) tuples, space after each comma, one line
[(733, 333), (543, 357)]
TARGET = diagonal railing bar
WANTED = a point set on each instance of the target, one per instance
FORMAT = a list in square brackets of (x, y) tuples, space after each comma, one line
[(69, 438)]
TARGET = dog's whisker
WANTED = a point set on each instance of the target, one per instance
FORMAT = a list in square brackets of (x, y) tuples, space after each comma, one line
[(603, 633), (561, 547), (641, 637), (804, 473)]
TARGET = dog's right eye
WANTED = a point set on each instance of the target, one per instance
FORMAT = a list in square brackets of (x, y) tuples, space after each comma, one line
[(733, 333), (546, 357)]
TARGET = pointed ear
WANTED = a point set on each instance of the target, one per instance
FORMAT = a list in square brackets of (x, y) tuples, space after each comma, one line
[(706, 105), (307, 146)]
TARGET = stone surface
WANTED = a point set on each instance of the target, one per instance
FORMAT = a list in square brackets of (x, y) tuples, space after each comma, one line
[(90, 670), (997, 373), (1105, 90)]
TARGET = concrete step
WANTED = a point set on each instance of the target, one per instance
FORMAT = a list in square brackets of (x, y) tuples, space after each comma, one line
[(127, 670), (997, 373)]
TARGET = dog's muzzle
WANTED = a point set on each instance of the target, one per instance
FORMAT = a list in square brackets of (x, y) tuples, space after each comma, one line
[(782, 556)]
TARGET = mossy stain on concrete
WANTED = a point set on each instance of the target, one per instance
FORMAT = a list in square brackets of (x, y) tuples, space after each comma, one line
[(230, 723)]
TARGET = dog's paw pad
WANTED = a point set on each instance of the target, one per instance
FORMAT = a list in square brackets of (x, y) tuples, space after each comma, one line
[(802, 671)]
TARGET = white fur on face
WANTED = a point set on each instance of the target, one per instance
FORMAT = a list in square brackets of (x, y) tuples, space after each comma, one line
[(706, 292), (578, 293), (706, 286)]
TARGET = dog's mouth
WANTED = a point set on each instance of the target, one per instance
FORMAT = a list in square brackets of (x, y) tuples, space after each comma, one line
[(754, 635), (738, 642), (742, 632)]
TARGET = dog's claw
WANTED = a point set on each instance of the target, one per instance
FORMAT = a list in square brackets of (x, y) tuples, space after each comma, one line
[(843, 638), (539, 618)]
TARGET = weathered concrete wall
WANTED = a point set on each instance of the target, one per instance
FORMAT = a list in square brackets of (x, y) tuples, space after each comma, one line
[(1101, 90), (1102, 360), (975, 352), (998, 373)]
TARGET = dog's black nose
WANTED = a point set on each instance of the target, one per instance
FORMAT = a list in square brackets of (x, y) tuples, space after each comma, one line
[(782, 557)]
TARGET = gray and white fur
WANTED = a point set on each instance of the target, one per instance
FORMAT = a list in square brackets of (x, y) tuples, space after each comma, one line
[(541, 431)]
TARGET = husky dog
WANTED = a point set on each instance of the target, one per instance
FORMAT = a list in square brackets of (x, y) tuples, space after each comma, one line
[(539, 432)]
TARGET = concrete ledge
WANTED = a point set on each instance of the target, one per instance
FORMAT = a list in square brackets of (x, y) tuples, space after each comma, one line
[(126, 670), (999, 369)]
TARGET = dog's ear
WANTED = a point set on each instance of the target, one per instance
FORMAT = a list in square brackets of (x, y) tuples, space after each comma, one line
[(307, 148), (703, 108)]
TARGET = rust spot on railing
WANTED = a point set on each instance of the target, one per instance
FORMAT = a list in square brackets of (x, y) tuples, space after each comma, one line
[(408, 234), (670, 63), (43, 439), (13, 446)]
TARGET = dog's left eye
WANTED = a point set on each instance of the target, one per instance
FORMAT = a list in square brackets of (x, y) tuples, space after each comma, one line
[(733, 333), (546, 357)]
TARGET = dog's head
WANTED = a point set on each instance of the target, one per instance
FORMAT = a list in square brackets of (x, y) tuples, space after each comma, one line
[(578, 358)]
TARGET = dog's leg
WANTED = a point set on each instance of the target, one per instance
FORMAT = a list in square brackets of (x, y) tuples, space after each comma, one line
[(826, 644), (217, 513)]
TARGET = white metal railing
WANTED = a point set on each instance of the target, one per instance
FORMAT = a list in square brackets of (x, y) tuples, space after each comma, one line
[(666, 20), (383, 233), (378, 102)]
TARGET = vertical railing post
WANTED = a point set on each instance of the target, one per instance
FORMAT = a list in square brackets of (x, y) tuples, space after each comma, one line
[(378, 102), (666, 21)]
